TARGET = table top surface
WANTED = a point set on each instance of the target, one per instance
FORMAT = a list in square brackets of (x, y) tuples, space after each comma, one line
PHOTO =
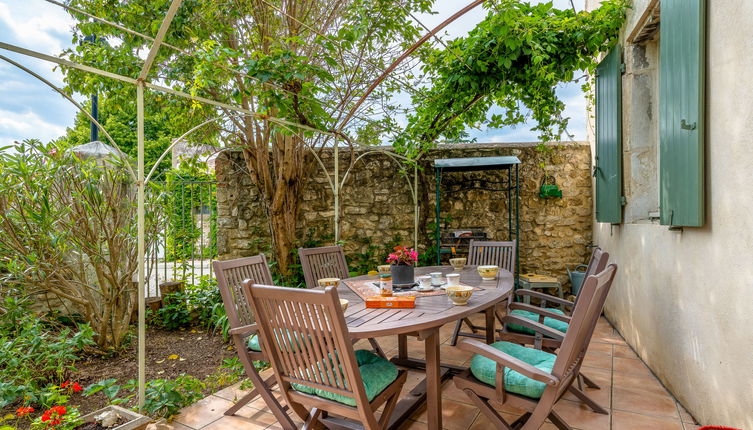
[(430, 312)]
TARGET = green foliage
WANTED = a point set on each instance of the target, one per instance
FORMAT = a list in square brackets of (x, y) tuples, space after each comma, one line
[(192, 194), (163, 397), (68, 232), (197, 305), (513, 59), (35, 356)]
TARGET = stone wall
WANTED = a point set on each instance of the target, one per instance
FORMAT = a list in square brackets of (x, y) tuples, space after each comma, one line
[(377, 205)]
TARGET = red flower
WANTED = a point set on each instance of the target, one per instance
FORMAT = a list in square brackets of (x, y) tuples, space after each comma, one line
[(54, 415), (76, 388), (24, 410), (65, 384)]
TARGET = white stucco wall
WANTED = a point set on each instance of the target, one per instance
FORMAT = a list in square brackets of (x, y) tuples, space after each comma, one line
[(684, 299)]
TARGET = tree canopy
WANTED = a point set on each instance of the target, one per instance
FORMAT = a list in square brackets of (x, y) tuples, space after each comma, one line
[(514, 59)]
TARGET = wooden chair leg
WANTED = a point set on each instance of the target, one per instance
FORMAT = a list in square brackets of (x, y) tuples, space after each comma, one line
[(589, 382), (271, 401), (384, 420), (496, 419), (587, 400), (558, 421), (313, 419), (377, 349), (456, 332)]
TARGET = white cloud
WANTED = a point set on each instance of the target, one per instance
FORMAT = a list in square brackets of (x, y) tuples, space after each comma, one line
[(17, 126), (39, 25)]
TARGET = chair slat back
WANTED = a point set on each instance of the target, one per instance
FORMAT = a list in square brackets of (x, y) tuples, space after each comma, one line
[(230, 274), (585, 316), (596, 264), (306, 338), (500, 254), (323, 262)]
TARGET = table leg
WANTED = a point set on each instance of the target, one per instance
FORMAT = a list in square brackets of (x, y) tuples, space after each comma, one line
[(402, 346), (491, 318), (433, 381)]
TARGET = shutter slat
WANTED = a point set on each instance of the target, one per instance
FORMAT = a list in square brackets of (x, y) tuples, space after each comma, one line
[(681, 101), (609, 138)]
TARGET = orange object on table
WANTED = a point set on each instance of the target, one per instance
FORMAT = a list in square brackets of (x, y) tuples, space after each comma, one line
[(391, 302)]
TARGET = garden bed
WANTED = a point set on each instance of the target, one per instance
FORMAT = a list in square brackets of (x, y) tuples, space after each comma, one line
[(168, 355)]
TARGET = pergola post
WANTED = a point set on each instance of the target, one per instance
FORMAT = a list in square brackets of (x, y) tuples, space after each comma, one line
[(141, 240)]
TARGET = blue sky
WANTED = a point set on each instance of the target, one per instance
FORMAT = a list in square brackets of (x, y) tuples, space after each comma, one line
[(30, 109)]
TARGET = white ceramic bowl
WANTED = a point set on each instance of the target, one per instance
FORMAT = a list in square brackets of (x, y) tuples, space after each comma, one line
[(488, 273), (459, 294)]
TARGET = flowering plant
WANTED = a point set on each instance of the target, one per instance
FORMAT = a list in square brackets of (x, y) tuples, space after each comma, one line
[(59, 418), (403, 255)]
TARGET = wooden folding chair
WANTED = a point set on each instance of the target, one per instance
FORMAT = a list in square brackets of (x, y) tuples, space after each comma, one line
[(528, 378), (482, 253), (243, 331), (327, 262), (312, 355), (555, 319)]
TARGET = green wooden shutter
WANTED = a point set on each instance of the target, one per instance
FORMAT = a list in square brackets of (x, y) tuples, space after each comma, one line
[(608, 169), (681, 112)]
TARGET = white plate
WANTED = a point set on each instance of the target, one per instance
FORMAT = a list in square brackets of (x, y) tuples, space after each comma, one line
[(423, 290)]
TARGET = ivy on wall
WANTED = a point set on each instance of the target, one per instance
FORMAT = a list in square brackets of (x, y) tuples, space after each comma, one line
[(192, 195)]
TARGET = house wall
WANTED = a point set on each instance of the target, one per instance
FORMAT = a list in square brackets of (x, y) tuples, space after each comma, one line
[(683, 299), (377, 205)]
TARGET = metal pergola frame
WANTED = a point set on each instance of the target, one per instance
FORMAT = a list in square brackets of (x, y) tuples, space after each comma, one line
[(477, 164), (141, 83)]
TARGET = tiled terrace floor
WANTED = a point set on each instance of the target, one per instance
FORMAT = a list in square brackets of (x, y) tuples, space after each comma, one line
[(635, 398)]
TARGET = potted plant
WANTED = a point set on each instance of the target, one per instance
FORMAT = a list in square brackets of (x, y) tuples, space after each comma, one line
[(402, 264)]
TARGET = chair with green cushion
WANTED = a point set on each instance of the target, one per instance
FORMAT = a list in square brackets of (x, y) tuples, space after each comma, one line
[(308, 345), (230, 274), (529, 378), (553, 318)]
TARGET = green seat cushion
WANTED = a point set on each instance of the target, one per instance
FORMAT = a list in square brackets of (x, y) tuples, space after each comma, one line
[(485, 370), (253, 343), (549, 322), (377, 374)]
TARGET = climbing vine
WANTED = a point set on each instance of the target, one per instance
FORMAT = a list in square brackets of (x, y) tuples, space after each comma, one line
[(514, 59)]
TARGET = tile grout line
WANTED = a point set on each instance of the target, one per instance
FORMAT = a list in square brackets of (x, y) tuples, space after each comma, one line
[(611, 388)]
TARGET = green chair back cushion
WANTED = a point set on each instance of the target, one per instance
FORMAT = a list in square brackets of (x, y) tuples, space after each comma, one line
[(549, 322), (377, 374), (485, 370), (253, 343)]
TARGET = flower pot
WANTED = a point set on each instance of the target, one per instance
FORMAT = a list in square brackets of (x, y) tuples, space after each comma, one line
[(402, 274), (131, 420)]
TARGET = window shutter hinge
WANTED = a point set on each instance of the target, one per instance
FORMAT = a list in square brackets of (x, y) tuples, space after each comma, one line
[(622, 68), (623, 200)]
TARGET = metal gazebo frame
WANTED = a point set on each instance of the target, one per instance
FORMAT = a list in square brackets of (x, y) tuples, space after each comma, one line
[(477, 164), (142, 82)]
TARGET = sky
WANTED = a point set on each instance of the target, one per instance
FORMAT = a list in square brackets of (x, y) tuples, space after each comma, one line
[(30, 109)]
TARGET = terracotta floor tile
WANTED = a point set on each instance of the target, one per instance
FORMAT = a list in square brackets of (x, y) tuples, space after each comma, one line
[(452, 355), (413, 425), (637, 381), (579, 416), (689, 426), (455, 415), (602, 348), (232, 393), (245, 420), (624, 351), (259, 403), (631, 421), (203, 412), (631, 367), (450, 391), (164, 425), (598, 360), (644, 402)]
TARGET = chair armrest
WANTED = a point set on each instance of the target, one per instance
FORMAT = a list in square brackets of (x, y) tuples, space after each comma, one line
[(506, 360), (543, 296), (541, 311), (244, 330), (535, 326)]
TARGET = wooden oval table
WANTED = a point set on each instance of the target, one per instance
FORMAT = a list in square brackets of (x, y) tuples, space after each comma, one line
[(423, 322)]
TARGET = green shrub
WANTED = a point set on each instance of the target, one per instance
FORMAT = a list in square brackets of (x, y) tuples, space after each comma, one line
[(198, 305), (34, 355), (163, 397)]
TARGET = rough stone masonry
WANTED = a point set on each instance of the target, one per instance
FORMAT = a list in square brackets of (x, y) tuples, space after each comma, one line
[(377, 204)]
